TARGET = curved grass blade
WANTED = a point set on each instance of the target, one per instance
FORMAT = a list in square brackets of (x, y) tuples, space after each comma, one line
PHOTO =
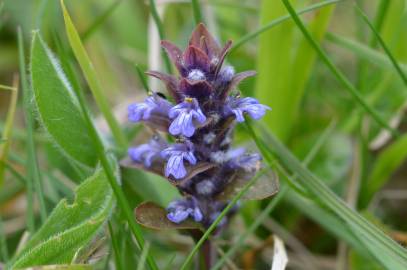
[(100, 20), (383, 44), (70, 226), (340, 77), (90, 76), (387, 252), (277, 21), (375, 57)]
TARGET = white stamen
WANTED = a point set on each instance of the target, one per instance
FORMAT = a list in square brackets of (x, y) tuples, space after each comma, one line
[(205, 187), (227, 73), (196, 75), (208, 138)]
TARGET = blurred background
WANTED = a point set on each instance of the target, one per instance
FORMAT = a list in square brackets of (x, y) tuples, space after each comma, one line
[(358, 159)]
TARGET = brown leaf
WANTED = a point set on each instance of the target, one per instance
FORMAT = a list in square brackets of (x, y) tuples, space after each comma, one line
[(153, 216), (266, 186)]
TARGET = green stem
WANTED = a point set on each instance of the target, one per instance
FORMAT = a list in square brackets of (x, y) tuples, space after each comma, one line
[(197, 11), (340, 77), (160, 29)]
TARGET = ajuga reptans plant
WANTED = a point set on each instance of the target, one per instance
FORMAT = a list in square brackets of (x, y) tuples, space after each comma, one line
[(201, 118)]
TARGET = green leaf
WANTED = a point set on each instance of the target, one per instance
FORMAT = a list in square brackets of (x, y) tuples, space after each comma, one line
[(58, 106), (153, 216), (274, 66), (70, 226)]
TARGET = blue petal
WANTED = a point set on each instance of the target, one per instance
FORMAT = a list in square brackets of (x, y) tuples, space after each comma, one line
[(178, 215), (175, 167)]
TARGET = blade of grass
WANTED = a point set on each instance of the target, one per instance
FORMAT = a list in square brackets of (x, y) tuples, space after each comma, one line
[(382, 43), (3, 242), (98, 22), (90, 76), (142, 260), (197, 11), (8, 129), (34, 176), (160, 28), (277, 21), (6, 87), (115, 246), (386, 251), (338, 74), (378, 23), (213, 226), (385, 165), (142, 78), (363, 51), (104, 160)]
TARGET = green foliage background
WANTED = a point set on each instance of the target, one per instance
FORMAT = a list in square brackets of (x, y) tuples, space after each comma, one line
[(335, 77)]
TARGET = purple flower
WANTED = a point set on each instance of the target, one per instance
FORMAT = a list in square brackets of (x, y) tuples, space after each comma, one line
[(239, 106), (175, 155), (152, 104), (148, 152), (186, 115), (181, 209)]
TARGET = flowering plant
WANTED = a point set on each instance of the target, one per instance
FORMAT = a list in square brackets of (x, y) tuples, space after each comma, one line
[(201, 162)]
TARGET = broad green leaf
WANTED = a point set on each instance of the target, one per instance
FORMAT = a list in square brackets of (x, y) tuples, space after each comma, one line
[(274, 66), (58, 106), (153, 216), (70, 226)]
